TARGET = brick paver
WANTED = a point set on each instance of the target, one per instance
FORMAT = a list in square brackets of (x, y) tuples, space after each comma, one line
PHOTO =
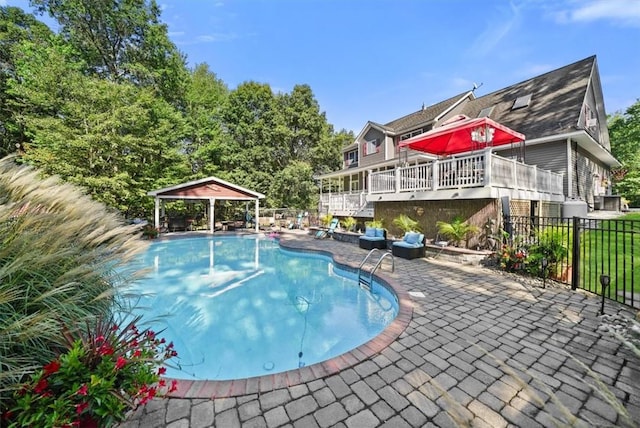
[(482, 348)]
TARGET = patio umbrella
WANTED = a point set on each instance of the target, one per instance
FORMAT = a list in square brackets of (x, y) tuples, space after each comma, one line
[(462, 134)]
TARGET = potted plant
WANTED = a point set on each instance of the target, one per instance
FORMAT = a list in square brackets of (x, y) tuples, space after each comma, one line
[(406, 224), (349, 223), (150, 232), (378, 224), (325, 220), (457, 231), (107, 370)]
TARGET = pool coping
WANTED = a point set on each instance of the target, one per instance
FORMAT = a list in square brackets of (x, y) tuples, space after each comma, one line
[(186, 388)]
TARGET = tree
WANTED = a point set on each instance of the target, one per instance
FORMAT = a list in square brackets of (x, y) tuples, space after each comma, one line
[(624, 130), (116, 140), (16, 27), (204, 104), (294, 187), (248, 144), (121, 40)]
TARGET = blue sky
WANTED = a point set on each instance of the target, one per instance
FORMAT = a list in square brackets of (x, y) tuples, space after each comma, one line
[(382, 59)]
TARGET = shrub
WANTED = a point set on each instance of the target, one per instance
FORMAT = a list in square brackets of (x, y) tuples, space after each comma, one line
[(349, 223), (62, 258), (406, 224), (325, 220), (457, 231), (375, 223)]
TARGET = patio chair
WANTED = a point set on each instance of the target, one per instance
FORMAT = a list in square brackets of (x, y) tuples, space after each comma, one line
[(412, 246), (373, 238), (325, 233)]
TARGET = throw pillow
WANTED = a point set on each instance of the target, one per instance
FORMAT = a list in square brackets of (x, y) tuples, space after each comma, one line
[(379, 233), (370, 232), (411, 237)]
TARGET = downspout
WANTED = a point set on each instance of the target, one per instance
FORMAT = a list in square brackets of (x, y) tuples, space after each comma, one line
[(569, 171)]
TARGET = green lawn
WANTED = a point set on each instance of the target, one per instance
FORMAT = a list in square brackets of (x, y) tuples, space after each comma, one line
[(614, 252)]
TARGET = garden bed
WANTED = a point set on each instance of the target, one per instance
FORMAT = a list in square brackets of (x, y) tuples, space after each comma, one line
[(459, 255)]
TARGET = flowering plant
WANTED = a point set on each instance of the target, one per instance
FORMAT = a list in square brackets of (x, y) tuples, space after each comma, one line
[(511, 258), (105, 372)]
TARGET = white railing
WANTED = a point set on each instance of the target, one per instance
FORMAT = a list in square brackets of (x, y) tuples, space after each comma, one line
[(466, 171), (342, 202)]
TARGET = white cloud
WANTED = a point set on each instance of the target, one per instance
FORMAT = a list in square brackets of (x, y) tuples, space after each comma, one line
[(216, 37), (496, 30), (626, 12)]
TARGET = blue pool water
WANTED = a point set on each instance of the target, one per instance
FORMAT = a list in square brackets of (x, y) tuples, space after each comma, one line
[(238, 307)]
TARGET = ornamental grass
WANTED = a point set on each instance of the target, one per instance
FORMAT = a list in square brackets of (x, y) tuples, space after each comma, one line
[(63, 258)]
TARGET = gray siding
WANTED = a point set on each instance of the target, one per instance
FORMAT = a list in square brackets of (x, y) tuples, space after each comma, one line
[(550, 156), (587, 170), (372, 158)]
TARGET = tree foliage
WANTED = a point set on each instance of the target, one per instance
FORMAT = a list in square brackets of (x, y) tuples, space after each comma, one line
[(16, 27), (108, 104), (121, 40), (624, 131)]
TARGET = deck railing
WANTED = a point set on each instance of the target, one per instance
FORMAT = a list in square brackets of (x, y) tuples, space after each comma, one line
[(343, 201), (466, 171)]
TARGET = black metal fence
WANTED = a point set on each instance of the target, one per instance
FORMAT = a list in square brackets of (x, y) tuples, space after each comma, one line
[(593, 254)]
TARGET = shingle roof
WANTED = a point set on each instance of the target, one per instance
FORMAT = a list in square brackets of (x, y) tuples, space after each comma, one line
[(556, 102), (422, 116)]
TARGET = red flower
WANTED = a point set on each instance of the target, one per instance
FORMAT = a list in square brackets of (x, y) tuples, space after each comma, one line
[(51, 368), (80, 407), (174, 385), (161, 371), (105, 349), (41, 386), (120, 363), (82, 390), (137, 353)]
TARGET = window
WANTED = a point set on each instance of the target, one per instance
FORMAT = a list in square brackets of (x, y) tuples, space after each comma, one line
[(590, 120), (411, 134), (371, 147), (354, 183), (351, 158), (486, 112), (521, 102)]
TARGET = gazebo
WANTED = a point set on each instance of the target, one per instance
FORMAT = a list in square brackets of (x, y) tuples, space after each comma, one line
[(208, 189)]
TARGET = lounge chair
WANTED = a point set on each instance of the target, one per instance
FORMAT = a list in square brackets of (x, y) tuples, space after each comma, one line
[(411, 246), (373, 238), (325, 233)]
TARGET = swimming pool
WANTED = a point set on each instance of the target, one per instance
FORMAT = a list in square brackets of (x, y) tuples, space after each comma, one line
[(242, 306)]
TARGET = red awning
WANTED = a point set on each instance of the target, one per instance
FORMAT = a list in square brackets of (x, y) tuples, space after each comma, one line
[(461, 134)]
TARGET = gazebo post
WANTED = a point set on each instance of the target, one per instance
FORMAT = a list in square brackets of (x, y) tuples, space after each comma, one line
[(212, 219), (156, 217), (257, 216)]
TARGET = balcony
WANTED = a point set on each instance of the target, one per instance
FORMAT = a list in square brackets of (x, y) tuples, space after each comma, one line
[(498, 177), (462, 177)]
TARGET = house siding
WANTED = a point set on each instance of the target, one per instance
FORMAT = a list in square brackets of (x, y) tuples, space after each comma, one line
[(372, 158), (588, 172), (550, 156)]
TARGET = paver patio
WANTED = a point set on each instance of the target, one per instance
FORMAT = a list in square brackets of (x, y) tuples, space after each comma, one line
[(481, 349)]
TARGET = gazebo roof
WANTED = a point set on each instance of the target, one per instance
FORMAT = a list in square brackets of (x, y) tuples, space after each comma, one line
[(206, 188)]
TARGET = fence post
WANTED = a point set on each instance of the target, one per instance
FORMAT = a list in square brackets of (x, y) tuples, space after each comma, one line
[(575, 254)]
